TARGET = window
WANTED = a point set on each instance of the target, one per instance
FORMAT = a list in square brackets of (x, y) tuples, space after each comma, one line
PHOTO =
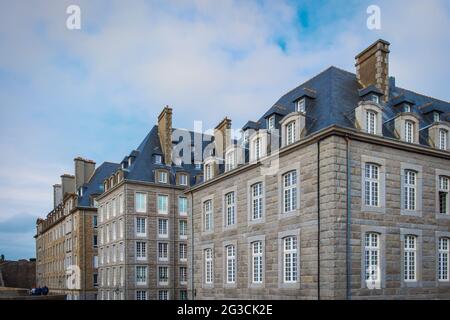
[(257, 200), (163, 295), (257, 262), (94, 241), (114, 231), (141, 253), (162, 177), (290, 265), (163, 204), (95, 279), (301, 105), (182, 206), (409, 258), (114, 207), (141, 295), (163, 275), (140, 202), (207, 212), (183, 179), (290, 191), (198, 166), (183, 295), (163, 228), (372, 258), (141, 275), (290, 132), (443, 139), (407, 108), (208, 266), (183, 229), (231, 263), (183, 275), (410, 190), (141, 227), (183, 252), (158, 159), (372, 185), (409, 131), (257, 148), (271, 123), (230, 218), (371, 122), (94, 221), (163, 251), (444, 192), (121, 228), (122, 251), (436, 116), (375, 98), (443, 252), (230, 162), (246, 136), (121, 204), (208, 171)]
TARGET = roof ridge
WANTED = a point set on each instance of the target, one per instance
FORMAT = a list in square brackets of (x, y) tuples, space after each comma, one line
[(421, 94)]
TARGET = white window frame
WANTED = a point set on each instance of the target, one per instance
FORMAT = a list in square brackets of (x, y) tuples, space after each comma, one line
[(208, 221), (182, 206), (141, 295), (290, 259), (230, 271), (182, 229), (141, 275), (257, 254), (208, 256), (409, 131), (230, 209), (372, 185), (443, 137), (271, 123), (410, 258), (183, 275), (443, 259), (410, 190), (162, 177), (289, 189), (257, 201), (372, 259), (291, 132), (183, 179), (436, 116), (301, 105), (140, 202), (161, 223), (163, 204), (158, 159), (444, 193), (230, 160), (163, 295), (141, 250), (163, 270), (141, 227), (182, 252), (163, 251), (371, 122)]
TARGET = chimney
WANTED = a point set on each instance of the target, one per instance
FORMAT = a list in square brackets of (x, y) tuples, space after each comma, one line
[(83, 171), (372, 67), (57, 195), (222, 137), (165, 134), (67, 184)]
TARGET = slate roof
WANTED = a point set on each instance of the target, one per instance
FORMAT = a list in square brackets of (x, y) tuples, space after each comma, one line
[(95, 184), (337, 93)]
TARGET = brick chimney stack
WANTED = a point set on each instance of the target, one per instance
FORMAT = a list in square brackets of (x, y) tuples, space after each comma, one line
[(372, 66), (222, 137), (165, 133), (84, 169)]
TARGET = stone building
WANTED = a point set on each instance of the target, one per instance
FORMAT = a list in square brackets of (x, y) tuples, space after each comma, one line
[(66, 240), (339, 191), (143, 216)]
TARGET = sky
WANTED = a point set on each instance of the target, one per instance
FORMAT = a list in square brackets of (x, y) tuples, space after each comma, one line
[(97, 91)]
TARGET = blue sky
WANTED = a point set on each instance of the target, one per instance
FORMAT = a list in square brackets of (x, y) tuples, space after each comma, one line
[(97, 91)]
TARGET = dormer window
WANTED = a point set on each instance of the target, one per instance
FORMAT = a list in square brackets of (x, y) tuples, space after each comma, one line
[(375, 98), (158, 159), (230, 160), (443, 135), (183, 180), (80, 192), (436, 117), (301, 105), (245, 137), (257, 148), (290, 132), (198, 166), (407, 108), (271, 123), (130, 160), (371, 122), (208, 171), (162, 177), (409, 131)]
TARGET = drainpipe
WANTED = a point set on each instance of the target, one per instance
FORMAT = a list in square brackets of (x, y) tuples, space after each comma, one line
[(191, 260), (349, 209), (318, 219)]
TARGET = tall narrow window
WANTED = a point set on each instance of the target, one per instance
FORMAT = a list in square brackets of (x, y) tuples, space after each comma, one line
[(410, 187), (409, 131), (163, 251), (444, 191), (183, 251), (443, 134), (230, 161), (163, 204), (163, 295), (407, 108), (182, 229), (443, 265), (163, 275), (162, 177), (141, 252), (121, 204), (208, 266), (301, 105), (290, 271), (208, 171), (140, 202), (182, 206), (375, 98), (257, 262), (158, 159), (141, 275), (290, 132), (231, 263), (271, 123), (163, 228), (371, 122), (257, 200), (290, 191), (183, 275), (257, 148), (372, 257), (230, 218), (372, 185), (410, 258), (141, 227), (183, 179), (207, 212)]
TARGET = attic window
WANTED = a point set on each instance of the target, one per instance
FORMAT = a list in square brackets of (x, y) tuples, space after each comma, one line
[(436, 116), (158, 159), (198, 166), (301, 105), (375, 98), (80, 192), (162, 177), (407, 108), (271, 123), (129, 161)]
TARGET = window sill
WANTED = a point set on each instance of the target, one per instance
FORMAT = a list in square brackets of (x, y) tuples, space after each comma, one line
[(289, 214), (415, 213), (373, 209), (442, 216)]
